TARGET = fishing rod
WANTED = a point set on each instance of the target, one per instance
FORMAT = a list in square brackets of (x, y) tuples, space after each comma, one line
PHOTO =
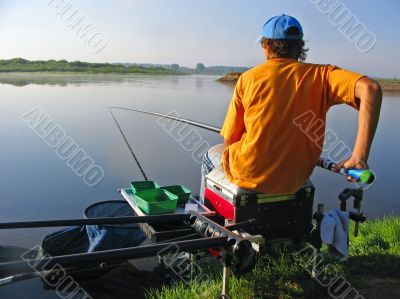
[(54, 273), (106, 256), (19, 277), (365, 176), (187, 121), (178, 119), (97, 221), (129, 146), (213, 236)]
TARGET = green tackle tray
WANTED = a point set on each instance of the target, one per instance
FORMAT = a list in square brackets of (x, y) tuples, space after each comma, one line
[(182, 192), (156, 201), (143, 185)]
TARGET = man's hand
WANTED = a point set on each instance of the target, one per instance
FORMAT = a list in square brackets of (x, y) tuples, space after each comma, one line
[(351, 163)]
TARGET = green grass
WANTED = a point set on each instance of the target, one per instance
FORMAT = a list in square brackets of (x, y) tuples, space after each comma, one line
[(373, 269), (377, 237)]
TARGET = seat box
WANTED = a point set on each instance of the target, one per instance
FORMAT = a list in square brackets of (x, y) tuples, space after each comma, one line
[(277, 216)]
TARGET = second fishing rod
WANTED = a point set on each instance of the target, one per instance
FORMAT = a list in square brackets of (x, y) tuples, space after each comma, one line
[(364, 176)]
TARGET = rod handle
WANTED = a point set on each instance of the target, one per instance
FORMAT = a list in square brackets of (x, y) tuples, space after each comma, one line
[(365, 176)]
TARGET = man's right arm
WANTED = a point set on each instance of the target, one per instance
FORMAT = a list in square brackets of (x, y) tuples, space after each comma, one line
[(369, 94)]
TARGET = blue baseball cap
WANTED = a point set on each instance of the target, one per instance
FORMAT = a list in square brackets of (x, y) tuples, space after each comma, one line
[(278, 28)]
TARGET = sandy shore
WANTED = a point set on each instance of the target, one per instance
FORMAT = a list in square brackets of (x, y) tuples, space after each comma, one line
[(390, 86)]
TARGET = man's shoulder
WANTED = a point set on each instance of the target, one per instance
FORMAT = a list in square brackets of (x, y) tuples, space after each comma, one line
[(317, 65), (296, 64), (259, 71), (309, 65), (252, 72)]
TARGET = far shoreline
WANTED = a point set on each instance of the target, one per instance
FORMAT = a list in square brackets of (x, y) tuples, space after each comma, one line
[(89, 73), (21, 65)]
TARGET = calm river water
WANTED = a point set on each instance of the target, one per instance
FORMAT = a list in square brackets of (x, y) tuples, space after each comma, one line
[(35, 183)]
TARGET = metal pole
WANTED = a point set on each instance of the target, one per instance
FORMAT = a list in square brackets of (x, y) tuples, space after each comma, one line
[(101, 257), (97, 221), (317, 249), (226, 272)]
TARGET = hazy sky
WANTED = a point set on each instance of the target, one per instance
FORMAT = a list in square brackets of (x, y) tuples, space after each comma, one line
[(215, 32)]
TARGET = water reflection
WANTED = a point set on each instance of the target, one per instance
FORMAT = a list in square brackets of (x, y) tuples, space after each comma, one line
[(199, 83), (59, 79)]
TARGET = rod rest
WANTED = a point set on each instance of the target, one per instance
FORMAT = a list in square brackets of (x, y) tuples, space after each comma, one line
[(239, 252)]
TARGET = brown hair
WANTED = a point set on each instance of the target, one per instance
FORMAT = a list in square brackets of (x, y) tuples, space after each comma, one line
[(286, 48)]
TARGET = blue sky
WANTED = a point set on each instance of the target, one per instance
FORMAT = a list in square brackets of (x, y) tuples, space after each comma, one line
[(215, 32)]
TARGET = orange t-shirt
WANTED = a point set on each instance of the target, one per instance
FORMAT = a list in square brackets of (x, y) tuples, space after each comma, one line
[(276, 122)]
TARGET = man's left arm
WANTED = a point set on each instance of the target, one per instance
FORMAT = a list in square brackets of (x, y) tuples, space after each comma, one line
[(234, 126)]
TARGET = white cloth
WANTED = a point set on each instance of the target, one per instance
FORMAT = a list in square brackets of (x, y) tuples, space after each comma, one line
[(335, 231)]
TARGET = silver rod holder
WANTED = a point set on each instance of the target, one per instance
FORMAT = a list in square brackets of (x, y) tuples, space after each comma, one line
[(356, 227), (226, 272), (316, 252)]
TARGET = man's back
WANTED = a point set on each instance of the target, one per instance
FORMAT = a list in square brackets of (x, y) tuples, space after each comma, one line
[(271, 108)]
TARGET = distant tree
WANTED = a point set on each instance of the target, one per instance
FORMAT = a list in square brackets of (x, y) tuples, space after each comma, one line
[(200, 68), (175, 66), (77, 63), (19, 60)]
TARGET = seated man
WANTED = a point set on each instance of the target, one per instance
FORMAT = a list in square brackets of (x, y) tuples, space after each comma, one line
[(266, 146)]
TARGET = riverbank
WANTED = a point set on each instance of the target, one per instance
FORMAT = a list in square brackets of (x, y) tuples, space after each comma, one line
[(373, 270), (388, 85), (230, 78), (63, 66)]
